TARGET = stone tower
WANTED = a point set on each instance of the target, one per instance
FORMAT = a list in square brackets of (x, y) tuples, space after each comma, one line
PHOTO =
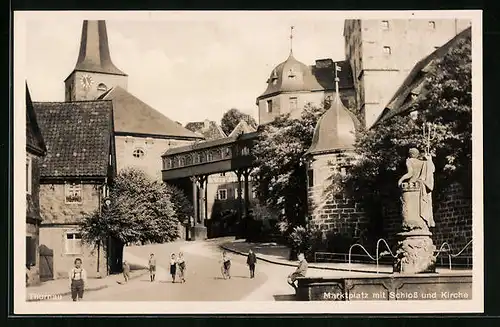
[(141, 133), (382, 53), (332, 150), (94, 72)]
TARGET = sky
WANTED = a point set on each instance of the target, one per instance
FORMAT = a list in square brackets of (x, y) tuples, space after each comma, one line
[(189, 67)]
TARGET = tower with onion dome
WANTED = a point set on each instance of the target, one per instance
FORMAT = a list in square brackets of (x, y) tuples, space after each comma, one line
[(292, 85), (331, 152)]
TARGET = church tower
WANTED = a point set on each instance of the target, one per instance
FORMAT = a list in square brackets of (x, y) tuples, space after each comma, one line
[(94, 72)]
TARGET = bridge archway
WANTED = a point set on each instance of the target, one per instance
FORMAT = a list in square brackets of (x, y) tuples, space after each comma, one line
[(189, 167)]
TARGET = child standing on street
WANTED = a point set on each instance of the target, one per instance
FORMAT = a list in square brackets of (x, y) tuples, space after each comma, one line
[(152, 267), (77, 280), (182, 267), (126, 271), (251, 260), (173, 267), (226, 266)]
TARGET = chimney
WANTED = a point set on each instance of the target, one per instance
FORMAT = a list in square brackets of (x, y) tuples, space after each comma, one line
[(206, 124), (324, 63)]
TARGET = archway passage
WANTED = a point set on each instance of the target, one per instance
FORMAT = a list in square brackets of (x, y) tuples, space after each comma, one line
[(188, 167)]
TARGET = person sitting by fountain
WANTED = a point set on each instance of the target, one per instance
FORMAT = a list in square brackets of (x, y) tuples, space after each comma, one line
[(299, 272)]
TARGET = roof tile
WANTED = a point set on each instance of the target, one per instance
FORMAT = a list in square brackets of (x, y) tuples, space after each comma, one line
[(131, 115), (78, 137)]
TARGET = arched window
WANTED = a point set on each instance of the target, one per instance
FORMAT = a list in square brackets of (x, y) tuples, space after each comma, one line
[(102, 87), (189, 159), (138, 153)]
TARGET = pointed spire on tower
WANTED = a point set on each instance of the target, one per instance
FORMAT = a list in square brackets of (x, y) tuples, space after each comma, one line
[(291, 40), (94, 53)]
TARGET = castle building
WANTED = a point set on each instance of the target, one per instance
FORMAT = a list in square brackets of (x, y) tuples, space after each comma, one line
[(292, 85), (381, 53), (142, 134), (385, 88), (452, 208)]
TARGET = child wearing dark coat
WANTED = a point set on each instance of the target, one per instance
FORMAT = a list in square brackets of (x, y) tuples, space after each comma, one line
[(251, 260), (173, 267)]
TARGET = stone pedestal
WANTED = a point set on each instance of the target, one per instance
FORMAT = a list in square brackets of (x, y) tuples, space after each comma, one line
[(198, 233), (415, 253)]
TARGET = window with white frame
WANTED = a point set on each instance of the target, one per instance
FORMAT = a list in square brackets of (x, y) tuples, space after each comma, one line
[(73, 192), (73, 243), (222, 194), (28, 175)]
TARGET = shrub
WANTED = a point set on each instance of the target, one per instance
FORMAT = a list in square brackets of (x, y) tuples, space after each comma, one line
[(307, 241)]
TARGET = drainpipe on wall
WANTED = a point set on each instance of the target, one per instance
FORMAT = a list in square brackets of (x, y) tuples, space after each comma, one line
[(99, 242)]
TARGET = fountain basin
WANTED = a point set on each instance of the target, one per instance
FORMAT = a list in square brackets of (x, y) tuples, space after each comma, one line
[(453, 285)]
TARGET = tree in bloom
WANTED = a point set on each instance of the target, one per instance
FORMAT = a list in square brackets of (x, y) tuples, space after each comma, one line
[(280, 177)]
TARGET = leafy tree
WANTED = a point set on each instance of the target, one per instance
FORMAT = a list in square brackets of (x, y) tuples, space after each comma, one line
[(233, 117), (280, 177), (183, 208), (444, 102), (140, 210)]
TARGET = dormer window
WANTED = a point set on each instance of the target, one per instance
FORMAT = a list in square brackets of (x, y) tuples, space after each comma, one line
[(291, 73), (274, 78), (387, 50), (384, 25), (432, 25)]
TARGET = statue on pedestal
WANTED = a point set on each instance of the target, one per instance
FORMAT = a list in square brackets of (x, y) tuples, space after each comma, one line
[(415, 252), (417, 192)]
